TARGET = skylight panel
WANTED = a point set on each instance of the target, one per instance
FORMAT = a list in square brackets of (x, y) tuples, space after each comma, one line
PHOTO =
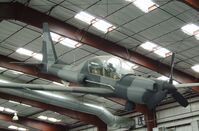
[(195, 68), (56, 37), (42, 117), (38, 56), (164, 78), (149, 46), (51, 119), (190, 29), (70, 43), (162, 52), (2, 68), (10, 110), (24, 51), (103, 26), (85, 17), (13, 127), (145, 5)]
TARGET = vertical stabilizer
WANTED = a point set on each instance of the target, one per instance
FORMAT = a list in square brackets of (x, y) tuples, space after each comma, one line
[(48, 49)]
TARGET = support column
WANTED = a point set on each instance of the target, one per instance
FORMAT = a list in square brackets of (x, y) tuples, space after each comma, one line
[(149, 116)]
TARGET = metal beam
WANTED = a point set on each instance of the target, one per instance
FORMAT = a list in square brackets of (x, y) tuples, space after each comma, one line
[(44, 126), (192, 3), (17, 11)]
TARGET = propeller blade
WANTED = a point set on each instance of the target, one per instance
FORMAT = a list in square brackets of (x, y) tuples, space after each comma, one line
[(172, 66), (186, 85), (156, 99), (180, 99)]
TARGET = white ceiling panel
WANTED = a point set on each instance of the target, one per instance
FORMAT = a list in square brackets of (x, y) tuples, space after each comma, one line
[(62, 13), (41, 5), (74, 55), (162, 28)]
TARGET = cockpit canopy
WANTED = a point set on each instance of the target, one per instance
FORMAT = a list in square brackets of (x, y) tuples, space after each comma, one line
[(110, 66)]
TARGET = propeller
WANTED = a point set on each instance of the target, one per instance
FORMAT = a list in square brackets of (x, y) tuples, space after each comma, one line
[(171, 88)]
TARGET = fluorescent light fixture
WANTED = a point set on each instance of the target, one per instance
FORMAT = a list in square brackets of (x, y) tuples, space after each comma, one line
[(103, 26), (13, 127), (25, 105), (53, 119), (22, 129), (164, 78), (38, 56), (163, 52), (1, 68), (197, 36), (128, 65), (42, 117), (70, 43), (190, 29), (56, 37), (14, 102), (24, 51), (145, 5), (149, 46), (16, 72), (10, 110), (4, 81), (195, 68), (85, 17), (2, 108)]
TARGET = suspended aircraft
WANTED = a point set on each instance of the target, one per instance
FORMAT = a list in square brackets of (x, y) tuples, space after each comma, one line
[(104, 76)]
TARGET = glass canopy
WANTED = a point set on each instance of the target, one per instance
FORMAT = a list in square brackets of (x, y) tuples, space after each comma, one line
[(110, 66)]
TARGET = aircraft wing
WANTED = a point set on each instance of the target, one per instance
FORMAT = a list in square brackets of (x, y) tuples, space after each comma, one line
[(89, 90), (186, 85)]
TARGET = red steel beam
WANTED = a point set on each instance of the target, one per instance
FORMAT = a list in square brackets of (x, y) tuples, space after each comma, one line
[(192, 3), (84, 117), (17, 11), (44, 126)]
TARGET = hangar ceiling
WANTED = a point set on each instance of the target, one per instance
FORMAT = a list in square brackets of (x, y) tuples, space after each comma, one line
[(133, 27)]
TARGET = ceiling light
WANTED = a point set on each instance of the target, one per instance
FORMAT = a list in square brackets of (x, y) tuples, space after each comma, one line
[(70, 43), (16, 72), (145, 5), (26, 105), (42, 117), (190, 29), (85, 17), (22, 129), (4, 81), (163, 52), (195, 68), (164, 78), (2, 108), (38, 56), (103, 26), (13, 127), (10, 110), (1, 68), (15, 102), (24, 51), (149, 46), (15, 117), (56, 37), (53, 119)]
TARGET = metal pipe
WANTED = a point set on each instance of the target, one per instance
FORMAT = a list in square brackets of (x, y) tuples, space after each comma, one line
[(71, 103)]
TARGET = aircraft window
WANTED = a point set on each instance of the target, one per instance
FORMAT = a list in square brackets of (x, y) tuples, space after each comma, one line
[(95, 68), (111, 67)]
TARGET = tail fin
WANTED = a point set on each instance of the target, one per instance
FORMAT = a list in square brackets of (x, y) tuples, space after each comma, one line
[(48, 49)]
